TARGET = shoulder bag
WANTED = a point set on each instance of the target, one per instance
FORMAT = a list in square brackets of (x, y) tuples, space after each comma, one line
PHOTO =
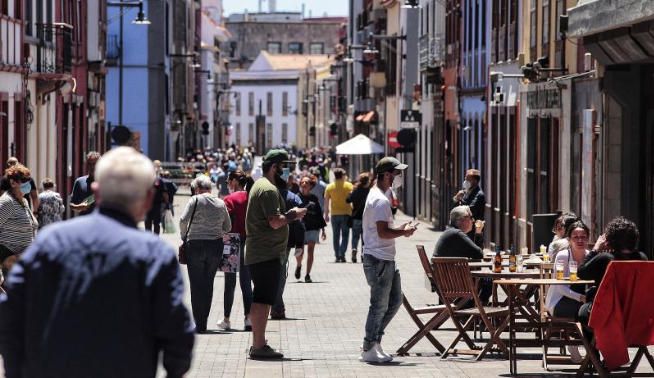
[(181, 253)]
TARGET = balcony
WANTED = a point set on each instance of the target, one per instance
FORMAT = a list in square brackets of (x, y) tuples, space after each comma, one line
[(432, 52), (54, 53)]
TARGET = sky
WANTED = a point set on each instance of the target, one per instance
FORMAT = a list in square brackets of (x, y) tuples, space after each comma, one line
[(317, 7)]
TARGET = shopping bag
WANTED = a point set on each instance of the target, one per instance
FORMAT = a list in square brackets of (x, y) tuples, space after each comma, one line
[(231, 254), (169, 223)]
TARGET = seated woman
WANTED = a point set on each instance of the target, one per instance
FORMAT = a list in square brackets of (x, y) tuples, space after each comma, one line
[(455, 242), (560, 242), (619, 242), (565, 300)]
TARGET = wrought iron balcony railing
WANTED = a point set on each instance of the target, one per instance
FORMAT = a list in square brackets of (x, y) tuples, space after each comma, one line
[(55, 48)]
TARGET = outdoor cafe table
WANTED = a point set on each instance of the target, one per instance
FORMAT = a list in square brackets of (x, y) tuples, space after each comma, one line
[(516, 301), (505, 274)]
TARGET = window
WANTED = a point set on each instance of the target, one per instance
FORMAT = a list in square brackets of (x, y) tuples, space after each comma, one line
[(251, 103), (238, 134), (546, 25), (237, 104), (269, 136), (533, 14), (284, 133), (295, 48), (269, 104), (285, 104), (274, 47), (251, 132), (28, 18), (316, 48)]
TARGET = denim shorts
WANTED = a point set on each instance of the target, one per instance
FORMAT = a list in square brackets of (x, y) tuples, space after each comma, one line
[(311, 236)]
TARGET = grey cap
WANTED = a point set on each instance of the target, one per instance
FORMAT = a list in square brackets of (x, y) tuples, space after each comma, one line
[(389, 164)]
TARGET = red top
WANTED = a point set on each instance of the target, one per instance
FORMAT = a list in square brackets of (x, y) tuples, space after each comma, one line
[(237, 204), (623, 310)]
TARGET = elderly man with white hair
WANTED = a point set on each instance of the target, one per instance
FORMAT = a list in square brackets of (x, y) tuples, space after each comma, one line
[(203, 223), (95, 296), (455, 242)]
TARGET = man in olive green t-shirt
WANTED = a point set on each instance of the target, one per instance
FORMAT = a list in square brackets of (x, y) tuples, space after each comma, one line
[(266, 227)]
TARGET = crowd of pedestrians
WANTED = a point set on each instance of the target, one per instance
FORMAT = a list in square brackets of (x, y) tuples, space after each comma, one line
[(63, 276)]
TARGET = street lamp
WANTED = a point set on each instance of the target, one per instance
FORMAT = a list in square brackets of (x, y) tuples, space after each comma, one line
[(140, 19)]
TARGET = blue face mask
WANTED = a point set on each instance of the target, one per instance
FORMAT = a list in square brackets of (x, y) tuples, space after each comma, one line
[(286, 172), (25, 188)]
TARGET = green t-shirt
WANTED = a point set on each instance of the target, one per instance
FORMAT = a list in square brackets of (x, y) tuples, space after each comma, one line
[(263, 243)]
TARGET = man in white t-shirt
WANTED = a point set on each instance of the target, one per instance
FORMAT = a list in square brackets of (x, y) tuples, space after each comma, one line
[(379, 258)]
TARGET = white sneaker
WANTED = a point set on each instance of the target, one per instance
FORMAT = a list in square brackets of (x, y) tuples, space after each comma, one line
[(225, 325), (387, 357), (373, 355)]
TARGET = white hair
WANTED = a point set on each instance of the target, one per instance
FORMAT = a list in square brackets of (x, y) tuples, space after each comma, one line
[(457, 214), (202, 182), (124, 177)]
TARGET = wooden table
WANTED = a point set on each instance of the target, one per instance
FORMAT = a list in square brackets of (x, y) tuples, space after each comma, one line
[(516, 300)]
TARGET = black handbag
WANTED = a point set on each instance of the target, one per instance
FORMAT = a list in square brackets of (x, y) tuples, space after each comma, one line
[(181, 252)]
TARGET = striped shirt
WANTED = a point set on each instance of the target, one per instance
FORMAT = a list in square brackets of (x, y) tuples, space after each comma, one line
[(17, 224)]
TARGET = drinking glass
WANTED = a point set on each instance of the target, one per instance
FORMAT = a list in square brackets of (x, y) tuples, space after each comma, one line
[(573, 270), (520, 263), (559, 270)]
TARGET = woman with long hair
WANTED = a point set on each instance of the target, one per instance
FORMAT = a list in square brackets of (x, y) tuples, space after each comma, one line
[(237, 202), (314, 223)]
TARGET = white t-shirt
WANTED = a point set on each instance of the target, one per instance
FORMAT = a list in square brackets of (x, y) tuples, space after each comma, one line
[(378, 208)]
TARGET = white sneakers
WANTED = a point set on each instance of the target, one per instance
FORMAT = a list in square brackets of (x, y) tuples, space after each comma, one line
[(375, 355), (225, 325)]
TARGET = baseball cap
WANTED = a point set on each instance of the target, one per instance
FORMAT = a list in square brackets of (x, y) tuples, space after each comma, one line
[(276, 156), (389, 164)]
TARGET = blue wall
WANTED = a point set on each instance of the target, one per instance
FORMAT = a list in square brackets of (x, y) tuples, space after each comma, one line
[(135, 73)]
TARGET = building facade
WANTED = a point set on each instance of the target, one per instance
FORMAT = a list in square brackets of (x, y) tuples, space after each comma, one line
[(280, 33), (275, 101)]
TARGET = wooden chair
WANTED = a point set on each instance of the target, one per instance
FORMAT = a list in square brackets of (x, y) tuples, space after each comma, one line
[(455, 283), (438, 312)]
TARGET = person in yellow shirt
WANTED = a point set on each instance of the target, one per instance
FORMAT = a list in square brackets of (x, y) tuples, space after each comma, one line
[(335, 204)]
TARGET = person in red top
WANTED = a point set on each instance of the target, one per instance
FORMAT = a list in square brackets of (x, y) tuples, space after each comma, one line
[(237, 203)]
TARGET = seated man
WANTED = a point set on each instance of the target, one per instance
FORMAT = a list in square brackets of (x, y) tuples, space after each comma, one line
[(455, 242)]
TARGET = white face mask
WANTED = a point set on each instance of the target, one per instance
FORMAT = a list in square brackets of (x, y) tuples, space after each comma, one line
[(397, 182), (466, 185)]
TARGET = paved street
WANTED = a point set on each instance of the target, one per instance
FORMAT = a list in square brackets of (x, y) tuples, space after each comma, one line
[(324, 331)]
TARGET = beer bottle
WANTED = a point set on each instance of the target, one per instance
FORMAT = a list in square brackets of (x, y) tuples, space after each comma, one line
[(497, 264), (512, 261)]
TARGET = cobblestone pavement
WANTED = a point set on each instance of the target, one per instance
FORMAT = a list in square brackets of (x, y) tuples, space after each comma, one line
[(324, 331)]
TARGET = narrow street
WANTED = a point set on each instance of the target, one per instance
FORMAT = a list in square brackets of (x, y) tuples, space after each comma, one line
[(324, 331)]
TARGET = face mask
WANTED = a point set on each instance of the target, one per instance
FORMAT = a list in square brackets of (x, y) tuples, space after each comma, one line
[(466, 185), (25, 188), (397, 182), (286, 172)]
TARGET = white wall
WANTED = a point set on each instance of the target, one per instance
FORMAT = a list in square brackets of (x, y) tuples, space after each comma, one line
[(277, 119)]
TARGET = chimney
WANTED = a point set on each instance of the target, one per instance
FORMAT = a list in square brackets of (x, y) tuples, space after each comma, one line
[(260, 8), (304, 7), (272, 6)]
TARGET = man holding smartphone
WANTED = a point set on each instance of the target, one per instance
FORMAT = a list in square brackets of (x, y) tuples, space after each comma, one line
[(379, 258)]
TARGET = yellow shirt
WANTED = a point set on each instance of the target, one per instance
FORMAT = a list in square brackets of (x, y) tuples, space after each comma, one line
[(337, 193)]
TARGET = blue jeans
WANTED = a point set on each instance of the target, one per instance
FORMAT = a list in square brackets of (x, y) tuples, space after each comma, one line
[(385, 297), (203, 258), (246, 286), (341, 234), (357, 230)]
